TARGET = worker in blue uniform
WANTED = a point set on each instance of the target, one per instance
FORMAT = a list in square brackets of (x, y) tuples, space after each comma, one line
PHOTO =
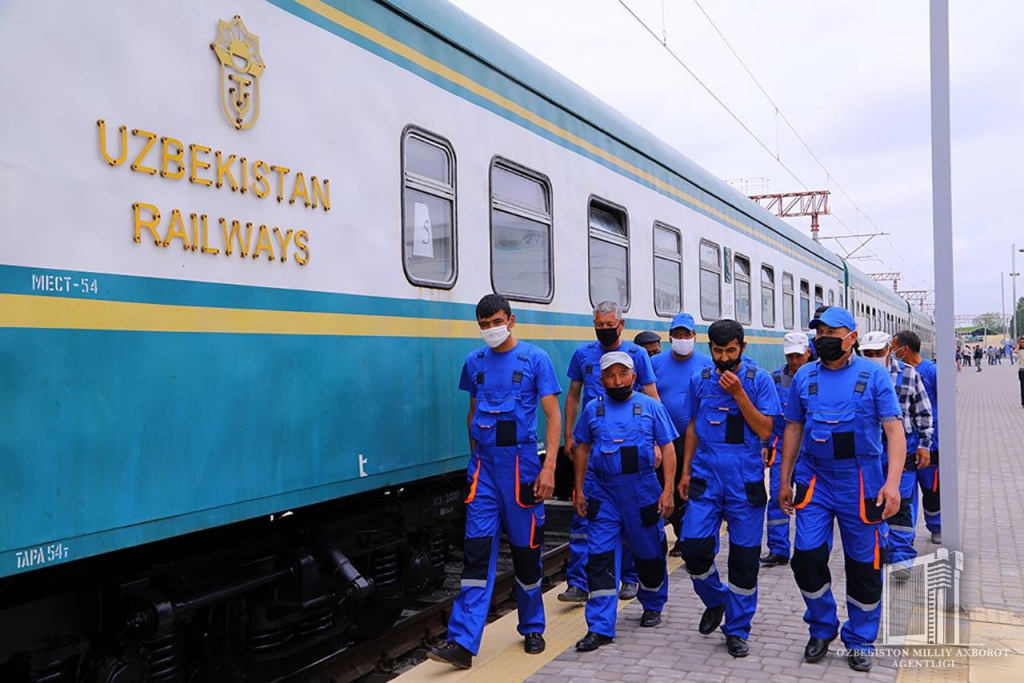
[(651, 342), (506, 381), (674, 370), (838, 408), (796, 348), (917, 426), (585, 379), (619, 494), (732, 407), (906, 347)]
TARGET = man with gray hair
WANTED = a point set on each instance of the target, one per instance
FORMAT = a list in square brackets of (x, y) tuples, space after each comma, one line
[(585, 377)]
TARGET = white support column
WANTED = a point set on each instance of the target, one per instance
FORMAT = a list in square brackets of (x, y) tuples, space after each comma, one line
[(945, 329)]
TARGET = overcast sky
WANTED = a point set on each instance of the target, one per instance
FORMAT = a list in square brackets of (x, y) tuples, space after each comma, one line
[(852, 78)]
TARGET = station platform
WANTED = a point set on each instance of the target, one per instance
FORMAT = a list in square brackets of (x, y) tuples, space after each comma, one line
[(990, 424)]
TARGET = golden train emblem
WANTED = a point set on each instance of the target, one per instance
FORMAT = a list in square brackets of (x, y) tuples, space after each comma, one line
[(240, 69)]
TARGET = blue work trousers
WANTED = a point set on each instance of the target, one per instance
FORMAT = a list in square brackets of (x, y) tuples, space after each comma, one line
[(726, 483), (928, 481), (623, 507), (500, 497), (576, 573), (842, 491), (778, 521), (901, 525)]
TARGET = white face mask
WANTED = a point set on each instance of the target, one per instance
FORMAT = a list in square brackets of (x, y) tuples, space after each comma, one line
[(684, 347), (495, 336), (883, 361)]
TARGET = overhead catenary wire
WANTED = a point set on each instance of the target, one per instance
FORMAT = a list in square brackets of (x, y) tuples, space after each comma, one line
[(780, 114)]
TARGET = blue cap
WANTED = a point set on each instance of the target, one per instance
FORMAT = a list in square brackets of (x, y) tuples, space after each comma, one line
[(834, 316), (683, 320)]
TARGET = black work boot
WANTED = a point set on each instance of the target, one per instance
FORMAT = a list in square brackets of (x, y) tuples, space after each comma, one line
[(816, 649), (573, 594), (451, 653), (533, 643), (737, 646), (592, 641), (650, 618), (711, 619)]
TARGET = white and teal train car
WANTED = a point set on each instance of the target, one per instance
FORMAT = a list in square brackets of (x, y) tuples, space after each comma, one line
[(239, 257)]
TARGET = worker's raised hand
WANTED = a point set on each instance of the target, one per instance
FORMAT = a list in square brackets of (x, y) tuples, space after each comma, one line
[(684, 486), (786, 497), (545, 485), (666, 503), (579, 503), (889, 495), (730, 383)]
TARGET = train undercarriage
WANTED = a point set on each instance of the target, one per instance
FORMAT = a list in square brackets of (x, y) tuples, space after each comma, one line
[(253, 601)]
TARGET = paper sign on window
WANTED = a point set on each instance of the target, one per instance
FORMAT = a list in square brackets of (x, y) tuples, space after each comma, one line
[(423, 234)]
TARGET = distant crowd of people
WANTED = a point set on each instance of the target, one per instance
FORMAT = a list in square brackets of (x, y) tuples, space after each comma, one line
[(992, 355)]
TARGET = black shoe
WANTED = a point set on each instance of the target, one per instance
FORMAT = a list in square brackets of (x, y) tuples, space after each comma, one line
[(628, 591), (816, 649), (677, 549), (737, 646), (451, 653), (937, 537), (773, 560), (711, 619), (650, 618), (573, 594), (534, 643), (592, 641), (859, 660)]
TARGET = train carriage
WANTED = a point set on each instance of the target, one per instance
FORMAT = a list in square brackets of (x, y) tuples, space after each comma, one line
[(240, 258)]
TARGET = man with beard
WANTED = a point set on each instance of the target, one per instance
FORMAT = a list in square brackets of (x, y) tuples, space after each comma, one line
[(732, 407)]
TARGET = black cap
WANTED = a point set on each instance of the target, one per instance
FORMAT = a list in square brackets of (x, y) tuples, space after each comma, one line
[(646, 337)]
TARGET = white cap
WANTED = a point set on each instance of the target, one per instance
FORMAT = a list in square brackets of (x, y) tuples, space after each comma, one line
[(616, 357), (794, 342), (875, 341)]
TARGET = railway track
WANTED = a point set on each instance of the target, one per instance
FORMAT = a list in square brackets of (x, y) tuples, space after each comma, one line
[(425, 628)]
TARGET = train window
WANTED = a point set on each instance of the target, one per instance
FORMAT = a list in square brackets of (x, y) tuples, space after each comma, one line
[(787, 300), (831, 298), (710, 281), (767, 296), (668, 270), (609, 254), (819, 296), (521, 220), (805, 304), (428, 209), (741, 289)]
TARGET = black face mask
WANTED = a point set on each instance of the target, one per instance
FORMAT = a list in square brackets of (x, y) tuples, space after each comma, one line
[(727, 365), (607, 335), (830, 349), (619, 394)]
